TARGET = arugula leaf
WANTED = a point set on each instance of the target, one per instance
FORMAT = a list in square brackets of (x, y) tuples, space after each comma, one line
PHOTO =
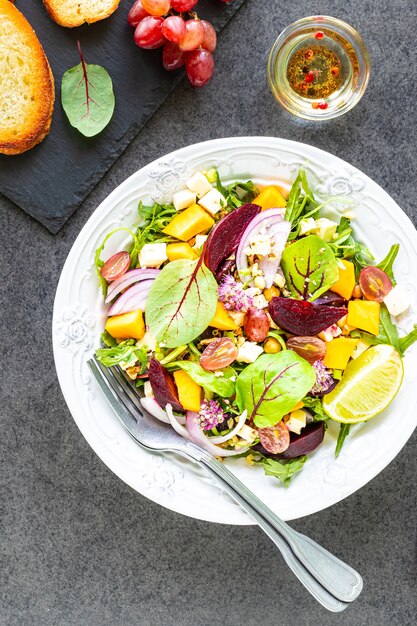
[(87, 97), (315, 405), (154, 219), (125, 352), (343, 433), (387, 263), (240, 193), (222, 385), (99, 263), (300, 204), (310, 267), (408, 340), (181, 303), (283, 470), (108, 340), (272, 385)]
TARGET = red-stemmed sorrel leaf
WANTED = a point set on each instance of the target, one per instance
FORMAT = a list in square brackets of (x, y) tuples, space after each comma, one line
[(310, 267), (87, 97), (271, 386), (181, 303)]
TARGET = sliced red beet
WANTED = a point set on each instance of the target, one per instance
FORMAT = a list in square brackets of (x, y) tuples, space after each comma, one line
[(163, 385), (310, 438), (225, 236), (331, 298), (303, 318)]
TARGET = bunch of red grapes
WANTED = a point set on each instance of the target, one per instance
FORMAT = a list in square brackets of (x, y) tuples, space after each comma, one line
[(190, 42)]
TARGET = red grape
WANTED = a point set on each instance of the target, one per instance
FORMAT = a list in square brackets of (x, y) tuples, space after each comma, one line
[(136, 13), (375, 283), (115, 266), (275, 439), (199, 67), (173, 28), (172, 57), (210, 37), (183, 5), (194, 35), (156, 7), (148, 33)]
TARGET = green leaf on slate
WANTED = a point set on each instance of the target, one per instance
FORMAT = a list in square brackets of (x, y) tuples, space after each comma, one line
[(271, 386), (181, 303), (310, 267), (87, 97)]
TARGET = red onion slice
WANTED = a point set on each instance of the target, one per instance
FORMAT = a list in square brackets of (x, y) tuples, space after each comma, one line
[(177, 422), (278, 230), (132, 299), (235, 431), (198, 437), (129, 278), (152, 407)]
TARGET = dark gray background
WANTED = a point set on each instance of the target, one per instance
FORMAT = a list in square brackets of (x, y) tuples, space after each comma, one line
[(77, 546)]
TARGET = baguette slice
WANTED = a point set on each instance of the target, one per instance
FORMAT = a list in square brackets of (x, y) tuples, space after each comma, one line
[(71, 13), (26, 84)]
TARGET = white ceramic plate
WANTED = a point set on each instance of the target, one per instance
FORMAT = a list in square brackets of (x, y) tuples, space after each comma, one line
[(79, 317)]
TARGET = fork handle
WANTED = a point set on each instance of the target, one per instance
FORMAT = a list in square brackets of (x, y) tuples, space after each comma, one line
[(338, 578)]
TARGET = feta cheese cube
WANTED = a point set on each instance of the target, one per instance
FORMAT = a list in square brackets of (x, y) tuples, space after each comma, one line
[(183, 199), (307, 226), (147, 387), (198, 184), (247, 433), (359, 349), (397, 300), (260, 301), (213, 201), (200, 240), (249, 352), (153, 254), (147, 340), (238, 317), (279, 280), (326, 229), (297, 421), (330, 333)]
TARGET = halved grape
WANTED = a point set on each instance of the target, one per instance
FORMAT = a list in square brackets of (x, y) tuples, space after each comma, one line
[(275, 439), (375, 283), (115, 266), (219, 354), (309, 348)]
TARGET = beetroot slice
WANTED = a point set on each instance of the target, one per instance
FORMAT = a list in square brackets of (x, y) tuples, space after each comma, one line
[(304, 318), (331, 298), (310, 438), (225, 236), (163, 385)]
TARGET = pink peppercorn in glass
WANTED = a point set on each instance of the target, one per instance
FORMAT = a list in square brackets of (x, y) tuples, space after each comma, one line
[(318, 68)]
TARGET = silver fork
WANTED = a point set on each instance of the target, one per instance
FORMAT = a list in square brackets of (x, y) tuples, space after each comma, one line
[(332, 582)]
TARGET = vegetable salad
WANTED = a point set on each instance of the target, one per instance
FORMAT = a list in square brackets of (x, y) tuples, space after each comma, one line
[(248, 320)]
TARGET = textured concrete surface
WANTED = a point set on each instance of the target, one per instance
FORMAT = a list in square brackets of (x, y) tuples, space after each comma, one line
[(77, 546)]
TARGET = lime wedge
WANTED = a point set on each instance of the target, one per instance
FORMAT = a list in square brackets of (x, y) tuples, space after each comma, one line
[(367, 387)]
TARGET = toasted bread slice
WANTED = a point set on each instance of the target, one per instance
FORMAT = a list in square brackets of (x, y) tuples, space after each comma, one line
[(71, 13), (26, 84)]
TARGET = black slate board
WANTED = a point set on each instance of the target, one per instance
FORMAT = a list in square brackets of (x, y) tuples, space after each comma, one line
[(50, 181)]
